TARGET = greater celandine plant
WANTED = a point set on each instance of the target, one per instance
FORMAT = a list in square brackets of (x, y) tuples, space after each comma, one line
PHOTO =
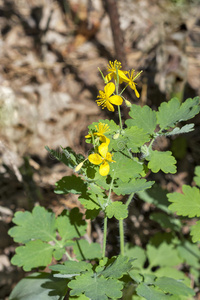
[(84, 271)]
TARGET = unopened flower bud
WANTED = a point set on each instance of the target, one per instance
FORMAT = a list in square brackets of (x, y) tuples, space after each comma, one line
[(79, 166), (128, 103), (116, 136)]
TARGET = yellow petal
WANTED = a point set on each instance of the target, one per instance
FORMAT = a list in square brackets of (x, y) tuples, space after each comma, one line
[(108, 77), (109, 106), (104, 169), (104, 139), (88, 136), (117, 100), (109, 157), (136, 93), (109, 89), (95, 159), (103, 149), (122, 75)]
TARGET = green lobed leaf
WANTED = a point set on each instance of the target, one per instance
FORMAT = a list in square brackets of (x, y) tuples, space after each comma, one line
[(164, 255), (142, 117), (83, 250), (137, 137), (150, 292), (157, 196), (195, 232), (164, 161), (134, 186), (117, 267), (136, 253), (125, 167), (190, 253), (67, 156), (95, 288), (81, 297), (40, 224), (186, 204), (166, 221), (185, 129), (197, 177), (173, 273), (117, 209), (34, 254), (173, 286), (172, 112), (40, 286), (70, 184), (71, 267), (70, 224)]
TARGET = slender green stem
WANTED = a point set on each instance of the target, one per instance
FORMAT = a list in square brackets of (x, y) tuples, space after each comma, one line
[(120, 118), (121, 235), (104, 235), (129, 199)]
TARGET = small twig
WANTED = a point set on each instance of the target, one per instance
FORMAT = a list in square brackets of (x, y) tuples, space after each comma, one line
[(111, 8)]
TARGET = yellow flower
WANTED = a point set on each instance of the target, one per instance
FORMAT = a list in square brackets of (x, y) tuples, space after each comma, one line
[(101, 129), (105, 98), (112, 71), (103, 159), (130, 80)]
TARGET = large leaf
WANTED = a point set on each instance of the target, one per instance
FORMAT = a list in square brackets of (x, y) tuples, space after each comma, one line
[(117, 209), (39, 227), (136, 253), (174, 287), (70, 184), (157, 196), (134, 186), (159, 160), (70, 224), (66, 155), (84, 250), (40, 224), (150, 292), (164, 255), (195, 232), (186, 204), (40, 286), (72, 267), (117, 267), (197, 177), (142, 117), (172, 112), (33, 254), (125, 167), (96, 288), (137, 137), (185, 129)]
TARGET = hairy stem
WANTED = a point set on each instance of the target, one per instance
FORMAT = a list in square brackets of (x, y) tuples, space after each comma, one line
[(120, 118), (104, 235), (121, 234)]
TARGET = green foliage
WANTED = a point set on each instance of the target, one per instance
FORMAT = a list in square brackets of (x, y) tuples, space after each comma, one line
[(149, 273), (161, 161), (117, 210), (142, 117), (36, 229), (40, 286), (172, 112)]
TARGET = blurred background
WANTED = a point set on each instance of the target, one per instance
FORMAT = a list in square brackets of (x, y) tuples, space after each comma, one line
[(50, 52)]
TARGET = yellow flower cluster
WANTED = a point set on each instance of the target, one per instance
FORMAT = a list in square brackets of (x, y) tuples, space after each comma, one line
[(105, 97), (102, 157)]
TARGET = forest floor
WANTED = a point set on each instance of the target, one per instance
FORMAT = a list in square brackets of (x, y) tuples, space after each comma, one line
[(50, 52)]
